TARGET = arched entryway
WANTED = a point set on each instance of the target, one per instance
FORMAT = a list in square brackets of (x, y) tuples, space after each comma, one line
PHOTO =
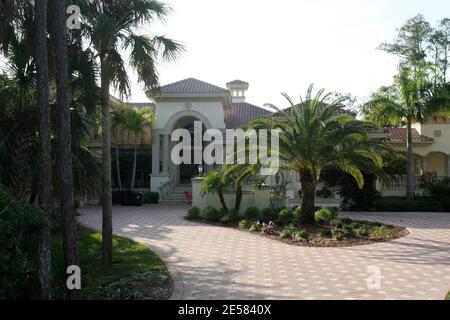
[(184, 173)]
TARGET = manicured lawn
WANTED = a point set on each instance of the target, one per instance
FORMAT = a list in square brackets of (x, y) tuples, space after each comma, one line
[(137, 273)]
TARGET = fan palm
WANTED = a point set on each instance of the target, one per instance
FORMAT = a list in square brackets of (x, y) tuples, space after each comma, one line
[(137, 123), (314, 138), (111, 28), (412, 98)]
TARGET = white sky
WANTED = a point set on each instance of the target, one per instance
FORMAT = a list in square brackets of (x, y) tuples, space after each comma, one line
[(284, 45)]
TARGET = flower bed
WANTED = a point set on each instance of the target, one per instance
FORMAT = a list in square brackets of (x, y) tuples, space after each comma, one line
[(330, 231)]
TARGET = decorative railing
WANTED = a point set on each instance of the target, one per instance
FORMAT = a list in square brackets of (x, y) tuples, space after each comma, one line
[(398, 183), (167, 187)]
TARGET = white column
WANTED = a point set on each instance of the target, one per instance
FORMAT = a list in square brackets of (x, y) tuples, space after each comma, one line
[(424, 164), (155, 154), (165, 158)]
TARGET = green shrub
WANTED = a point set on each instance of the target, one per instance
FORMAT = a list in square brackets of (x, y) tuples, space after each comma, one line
[(440, 191), (285, 217), (297, 213), (245, 224), (252, 213), (234, 215), (347, 221), (19, 229), (193, 213), (301, 235), (230, 217), (325, 215), (337, 223), (398, 204), (212, 214), (338, 235), (362, 231), (381, 233), (326, 234), (256, 227), (151, 197), (288, 232), (348, 232), (268, 214)]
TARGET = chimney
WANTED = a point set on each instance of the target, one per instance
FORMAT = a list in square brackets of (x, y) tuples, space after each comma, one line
[(238, 89)]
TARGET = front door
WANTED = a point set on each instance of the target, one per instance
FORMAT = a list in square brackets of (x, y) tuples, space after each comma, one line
[(187, 172)]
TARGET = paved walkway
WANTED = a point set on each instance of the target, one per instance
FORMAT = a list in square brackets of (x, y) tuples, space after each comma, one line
[(209, 262)]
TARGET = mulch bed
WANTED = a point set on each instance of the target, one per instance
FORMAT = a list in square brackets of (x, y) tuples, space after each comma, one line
[(315, 239)]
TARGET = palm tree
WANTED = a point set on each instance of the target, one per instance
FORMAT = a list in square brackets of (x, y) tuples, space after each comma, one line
[(412, 98), (71, 254), (45, 180), (117, 123), (314, 138), (137, 124), (111, 26), (214, 183)]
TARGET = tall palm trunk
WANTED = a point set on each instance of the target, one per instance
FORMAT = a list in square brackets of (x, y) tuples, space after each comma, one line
[(107, 228), (119, 178), (308, 201), (69, 227), (133, 177), (410, 165), (45, 174)]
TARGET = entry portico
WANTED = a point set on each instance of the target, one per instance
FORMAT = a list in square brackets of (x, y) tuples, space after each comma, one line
[(177, 106)]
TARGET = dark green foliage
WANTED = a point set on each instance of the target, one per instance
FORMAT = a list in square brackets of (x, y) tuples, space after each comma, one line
[(230, 217), (285, 217), (193, 213), (256, 227), (337, 223), (151, 197), (440, 191), (212, 214), (268, 214), (398, 204), (245, 224), (353, 198), (326, 234), (136, 272), (19, 228), (289, 232), (301, 235), (252, 213), (325, 215), (324, 192), (347, 221)]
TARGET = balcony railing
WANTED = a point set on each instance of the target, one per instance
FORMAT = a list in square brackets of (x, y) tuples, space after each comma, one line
[(398, 183)]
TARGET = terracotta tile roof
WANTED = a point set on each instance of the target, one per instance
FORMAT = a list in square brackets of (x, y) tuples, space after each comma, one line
[(140, 105), (124, 140), (399, 134), (242, 113), (191, 86), (339, 111)]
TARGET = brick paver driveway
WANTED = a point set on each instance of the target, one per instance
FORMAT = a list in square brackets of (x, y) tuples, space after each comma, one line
[(209, 262)]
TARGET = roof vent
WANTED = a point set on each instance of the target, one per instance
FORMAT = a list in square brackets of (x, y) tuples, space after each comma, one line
[(238, 89)]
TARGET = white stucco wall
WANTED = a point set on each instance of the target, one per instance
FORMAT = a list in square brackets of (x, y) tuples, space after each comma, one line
[(168, 110)]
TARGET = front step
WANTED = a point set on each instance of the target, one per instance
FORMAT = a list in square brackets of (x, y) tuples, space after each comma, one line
[(177, 196)]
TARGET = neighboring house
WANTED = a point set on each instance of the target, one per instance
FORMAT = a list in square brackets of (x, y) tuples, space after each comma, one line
[(178, 105)]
